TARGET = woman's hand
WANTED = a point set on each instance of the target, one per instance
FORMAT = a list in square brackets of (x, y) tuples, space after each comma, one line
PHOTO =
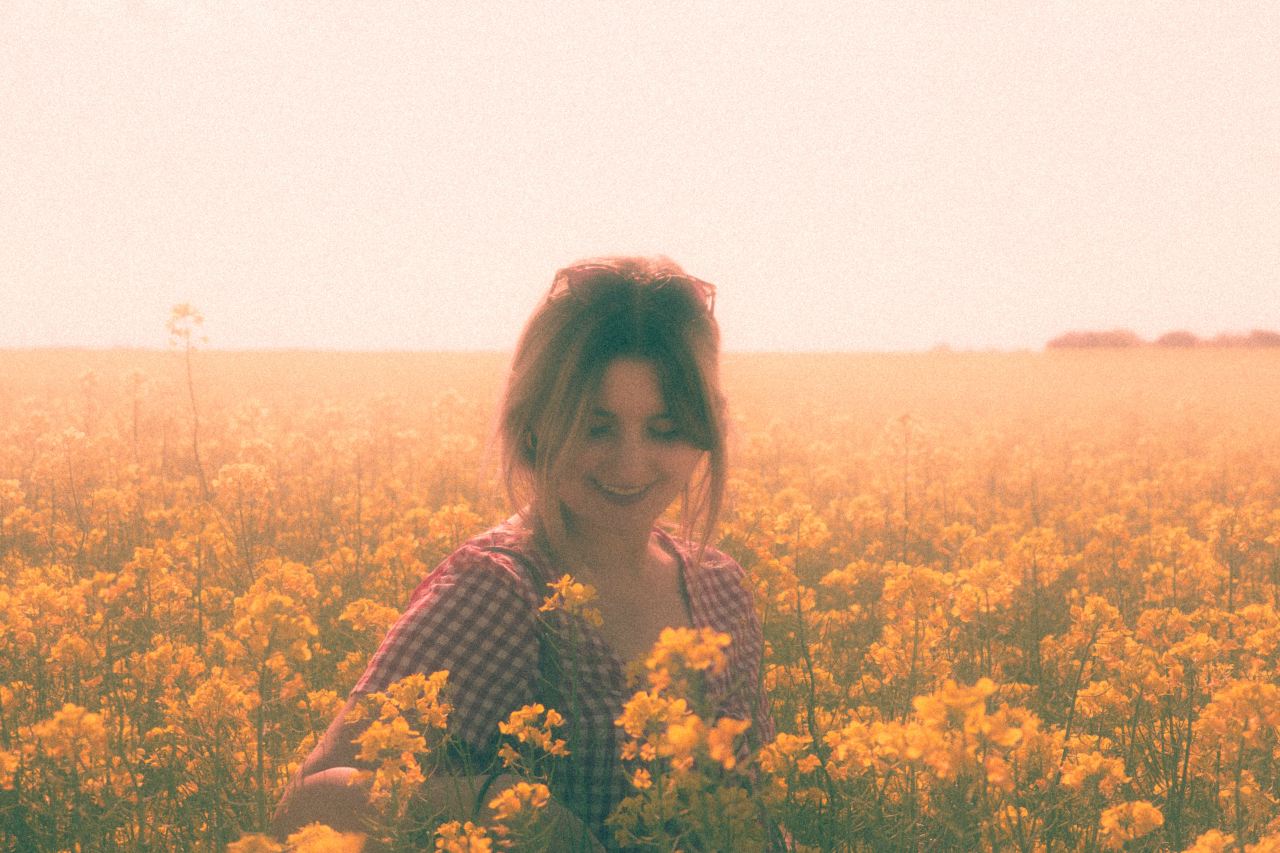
[(335, 797), (557, 828), (338, 798)]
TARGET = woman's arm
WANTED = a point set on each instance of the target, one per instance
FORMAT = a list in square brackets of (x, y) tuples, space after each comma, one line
[(470, 618), (473, 621), (328, 789)]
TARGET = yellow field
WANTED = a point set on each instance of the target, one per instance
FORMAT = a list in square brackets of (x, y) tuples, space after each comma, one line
[(1013, 601)]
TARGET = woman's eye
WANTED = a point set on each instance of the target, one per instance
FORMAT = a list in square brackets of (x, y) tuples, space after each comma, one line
[(599, 431), (665, 432)]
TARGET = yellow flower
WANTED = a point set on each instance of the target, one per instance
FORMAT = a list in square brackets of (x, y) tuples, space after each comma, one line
[(572, 597), (393, 745), (1266, 844), (721, 738), (808, 763), (954, 706), (695, 649), (452, 523), (366, 615), (508, 755), (456, 837), (73, 734), (9, 760), (1093, 768), (523, 725), (383, 739), (999, 773), (1213, 841), (1128, 821), (420, 695), (851, 751), (518, 798), (648, 710), (781, 755), (271, 617), (680, 741), (318, 838), (255, 842)]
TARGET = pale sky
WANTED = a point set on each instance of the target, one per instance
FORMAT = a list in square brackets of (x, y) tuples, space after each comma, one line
[(852, 175)]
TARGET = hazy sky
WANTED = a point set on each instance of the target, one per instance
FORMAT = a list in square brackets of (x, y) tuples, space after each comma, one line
[(853, 175)]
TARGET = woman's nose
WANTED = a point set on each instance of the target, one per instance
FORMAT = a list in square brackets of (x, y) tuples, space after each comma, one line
[(632, 459)]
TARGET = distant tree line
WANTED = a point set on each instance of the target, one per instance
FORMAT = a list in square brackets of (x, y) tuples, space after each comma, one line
[(1170, 340)]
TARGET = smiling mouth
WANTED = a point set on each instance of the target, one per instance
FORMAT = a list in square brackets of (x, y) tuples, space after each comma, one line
[(619, 494)]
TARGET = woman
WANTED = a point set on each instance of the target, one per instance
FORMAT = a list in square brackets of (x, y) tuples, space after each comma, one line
[(612, 410)]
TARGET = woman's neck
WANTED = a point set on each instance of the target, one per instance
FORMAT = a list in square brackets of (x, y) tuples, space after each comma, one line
[(616, 553)]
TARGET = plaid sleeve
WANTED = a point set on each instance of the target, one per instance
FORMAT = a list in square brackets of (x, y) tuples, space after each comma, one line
[(753, 640), (474, 617), (730, 607)]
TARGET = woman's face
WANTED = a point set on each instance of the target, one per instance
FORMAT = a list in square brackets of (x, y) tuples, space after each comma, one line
[(630, 463)]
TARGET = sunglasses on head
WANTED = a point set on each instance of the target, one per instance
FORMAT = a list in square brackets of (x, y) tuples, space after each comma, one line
[(577, 280)]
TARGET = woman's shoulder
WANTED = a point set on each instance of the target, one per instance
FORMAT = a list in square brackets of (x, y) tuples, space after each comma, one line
[(508, 537), (476, 607), (709, 569), (707, 558), (490, 562)]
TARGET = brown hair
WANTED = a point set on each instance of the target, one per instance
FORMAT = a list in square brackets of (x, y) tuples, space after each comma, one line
[(597, 311)]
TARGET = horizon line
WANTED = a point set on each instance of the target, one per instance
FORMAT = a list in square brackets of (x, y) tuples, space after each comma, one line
[(937, 348)]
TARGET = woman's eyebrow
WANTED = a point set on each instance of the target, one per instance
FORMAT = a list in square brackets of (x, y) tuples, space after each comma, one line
[(605, 413)]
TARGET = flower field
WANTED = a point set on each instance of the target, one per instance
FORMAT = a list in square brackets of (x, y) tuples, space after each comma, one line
[(1011, 601)]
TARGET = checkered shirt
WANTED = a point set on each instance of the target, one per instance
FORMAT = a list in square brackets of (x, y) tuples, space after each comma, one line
[(477, 616)]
